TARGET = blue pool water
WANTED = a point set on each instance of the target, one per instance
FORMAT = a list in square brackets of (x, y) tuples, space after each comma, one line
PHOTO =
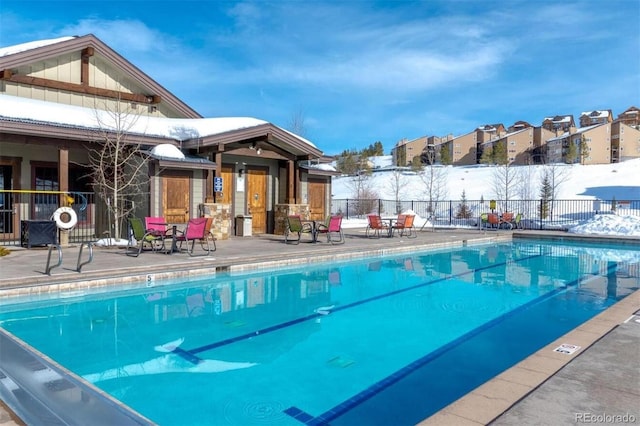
[(377, 342)]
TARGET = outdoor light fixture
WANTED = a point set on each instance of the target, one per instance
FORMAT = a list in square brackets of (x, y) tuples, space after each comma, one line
[(259, 151), (253, 146), (240, 172)]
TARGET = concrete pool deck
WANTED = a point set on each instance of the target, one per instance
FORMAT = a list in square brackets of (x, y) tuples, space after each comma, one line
[(546, 388)]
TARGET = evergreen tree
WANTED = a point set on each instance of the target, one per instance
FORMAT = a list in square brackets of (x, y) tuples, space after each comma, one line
[(347, 163), (571, 155), (500, 155), (546, 195), (487, 155), (416, 164), (445, 155), (584, 150), (464, 212)]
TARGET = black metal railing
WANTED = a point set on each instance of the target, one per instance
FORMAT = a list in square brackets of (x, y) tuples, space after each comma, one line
[(536, 214), (19, 207)]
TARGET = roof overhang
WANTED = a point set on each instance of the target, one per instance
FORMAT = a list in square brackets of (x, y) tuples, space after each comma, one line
[(90, 41), (25, 131), (267, 137)]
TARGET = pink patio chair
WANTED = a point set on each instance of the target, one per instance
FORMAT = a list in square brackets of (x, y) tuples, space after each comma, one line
[(196, 230), (333, 228)]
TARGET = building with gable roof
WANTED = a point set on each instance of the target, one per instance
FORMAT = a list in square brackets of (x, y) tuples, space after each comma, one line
[(630, 117), (595, 117), (51, 95), (559, 123)]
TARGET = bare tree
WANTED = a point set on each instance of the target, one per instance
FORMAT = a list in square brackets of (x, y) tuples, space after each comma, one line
[(363, 191), (434, 179), (504, 181), (557, 174), (553, 175), (297, 125), (118, 165), (397, 184), (526, 184)]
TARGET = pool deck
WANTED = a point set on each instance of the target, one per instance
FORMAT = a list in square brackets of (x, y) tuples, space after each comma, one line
[(602, 378)]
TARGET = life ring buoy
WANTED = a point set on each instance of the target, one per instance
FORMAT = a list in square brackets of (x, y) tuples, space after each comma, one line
[(65, 218)]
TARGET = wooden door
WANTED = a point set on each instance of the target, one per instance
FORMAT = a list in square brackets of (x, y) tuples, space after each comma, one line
[(175, 198), (317, 193), (256, 191), (226, 172)]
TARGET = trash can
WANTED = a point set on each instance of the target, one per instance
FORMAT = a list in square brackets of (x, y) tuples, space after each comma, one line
[(243, 226)]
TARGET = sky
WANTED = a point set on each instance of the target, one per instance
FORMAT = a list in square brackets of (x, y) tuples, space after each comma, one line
[(355, 71)]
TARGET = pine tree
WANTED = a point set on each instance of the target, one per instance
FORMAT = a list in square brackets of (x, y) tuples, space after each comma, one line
[(500, 155), (572, 153), (464, 212), (546, 194), (487, 155), (445, 155)]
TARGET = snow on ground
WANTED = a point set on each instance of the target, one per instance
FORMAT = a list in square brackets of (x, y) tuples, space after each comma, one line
[(600, 181), (609, 224), (604, 182)]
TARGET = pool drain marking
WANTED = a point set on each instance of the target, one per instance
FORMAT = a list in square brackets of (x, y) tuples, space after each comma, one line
[(567, 348), (340, 362), (359, 398)]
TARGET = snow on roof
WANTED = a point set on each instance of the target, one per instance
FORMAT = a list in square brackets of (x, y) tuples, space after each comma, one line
[(577, 132), (16, 108), (321, 166), (596, 114), (559, 119), (167, 150), (17, 48)]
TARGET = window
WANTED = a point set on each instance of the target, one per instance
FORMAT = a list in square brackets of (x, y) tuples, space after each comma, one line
[(45, 178)]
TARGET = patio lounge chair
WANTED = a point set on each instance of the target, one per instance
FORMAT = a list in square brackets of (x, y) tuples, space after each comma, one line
[(333, 227), (208, 234), (517, 223), (156, 224), (484, 220), (494, 220), (375, 226), (404, 226), (195, 231), (142, 237), (295, 226)]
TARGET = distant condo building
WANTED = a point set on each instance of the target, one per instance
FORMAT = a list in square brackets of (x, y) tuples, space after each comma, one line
[(600, 139)]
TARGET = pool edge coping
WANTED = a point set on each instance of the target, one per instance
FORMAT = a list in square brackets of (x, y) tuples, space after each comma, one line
[(135, 277), (473, 408)]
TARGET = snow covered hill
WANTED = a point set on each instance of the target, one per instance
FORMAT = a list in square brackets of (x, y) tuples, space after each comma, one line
[(620, 180)]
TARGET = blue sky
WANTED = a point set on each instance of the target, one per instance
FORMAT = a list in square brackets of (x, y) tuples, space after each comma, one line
[(364, 71)]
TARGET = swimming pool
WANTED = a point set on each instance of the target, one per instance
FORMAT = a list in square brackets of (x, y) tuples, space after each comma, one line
[(386, 341)]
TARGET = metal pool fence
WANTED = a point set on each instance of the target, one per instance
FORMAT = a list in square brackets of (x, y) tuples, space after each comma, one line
[(26, 215), (536, 214)]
